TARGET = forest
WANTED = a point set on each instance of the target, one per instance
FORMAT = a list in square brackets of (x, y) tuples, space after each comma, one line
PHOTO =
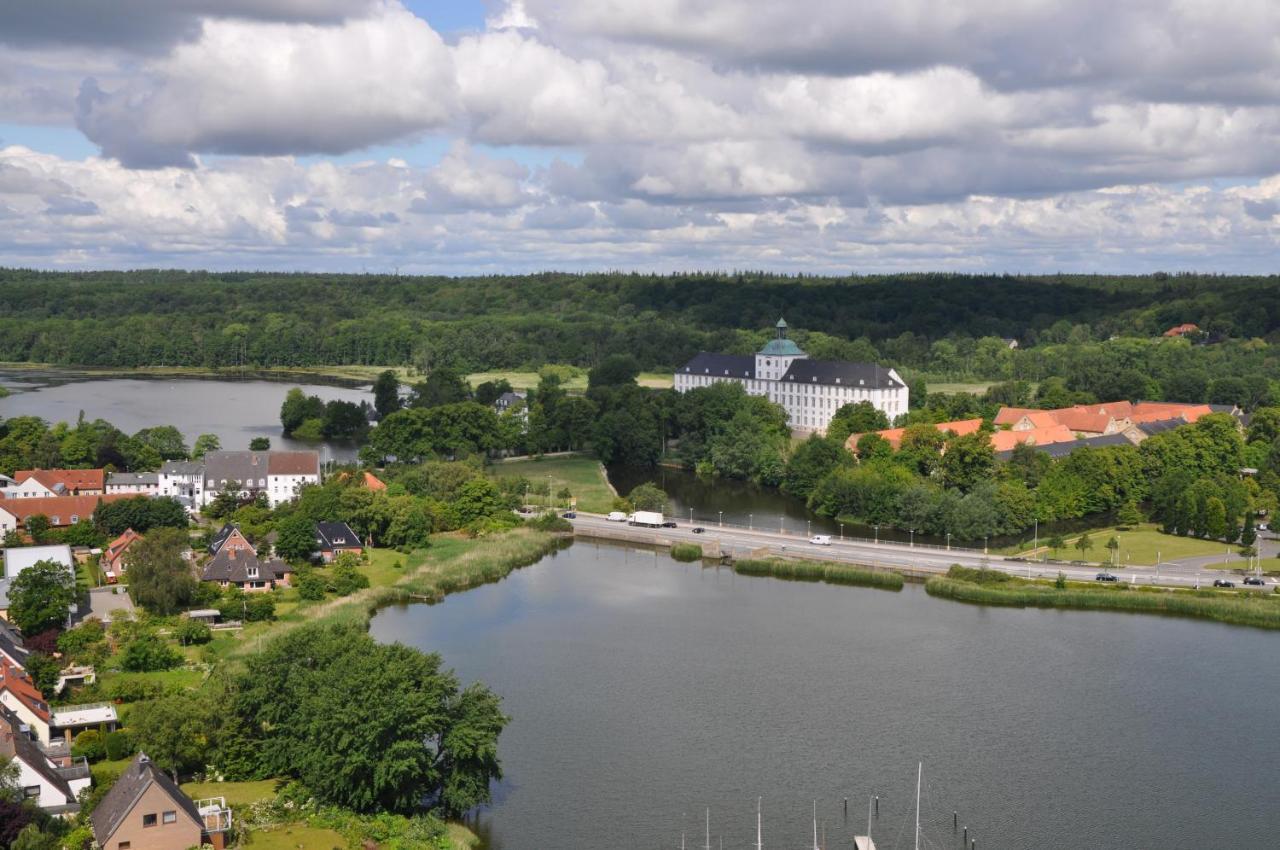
[(1101, 334)]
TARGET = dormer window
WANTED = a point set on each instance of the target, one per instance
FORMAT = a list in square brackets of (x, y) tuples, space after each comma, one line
[(253, 572), (861, 383)]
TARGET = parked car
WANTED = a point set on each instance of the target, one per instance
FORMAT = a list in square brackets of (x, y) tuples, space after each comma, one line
[(1222, 582), (1262, 526), (570, 514), (1105, 577), (669, 524), (699, 530), (1254, 581), (616, 516), (820, 540)]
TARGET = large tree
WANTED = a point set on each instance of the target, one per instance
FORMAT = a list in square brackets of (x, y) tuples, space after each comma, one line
[(856, 418), (386, 393), (40, 596), (423, 738), (160, 578)]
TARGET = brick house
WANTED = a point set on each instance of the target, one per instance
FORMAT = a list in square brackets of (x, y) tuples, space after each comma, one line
[(235, 567), (146, 810), (334, 538), (65, 482), (62, 511), (112, 560)]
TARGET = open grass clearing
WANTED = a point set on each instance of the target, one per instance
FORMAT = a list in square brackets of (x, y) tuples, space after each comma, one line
[(1139, 546), (295, 837), (577, 383), (584, 476), (236, 793)]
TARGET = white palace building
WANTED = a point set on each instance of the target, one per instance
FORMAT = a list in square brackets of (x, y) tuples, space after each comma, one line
[(810, 391)]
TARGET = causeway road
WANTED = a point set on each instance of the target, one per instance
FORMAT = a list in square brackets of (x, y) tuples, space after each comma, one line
[(919, 560)]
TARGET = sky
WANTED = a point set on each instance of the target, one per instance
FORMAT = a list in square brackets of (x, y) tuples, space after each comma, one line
[(481, 136)]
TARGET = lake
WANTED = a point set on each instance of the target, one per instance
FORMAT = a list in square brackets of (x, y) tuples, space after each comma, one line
[(643, 690), (235, 410)]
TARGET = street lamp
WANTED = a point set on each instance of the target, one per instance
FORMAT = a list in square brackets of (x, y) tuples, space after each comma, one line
[(721, 520), (913, 536), (984, 544), (690, 516), (749, 521), (948, 541), (877, 534), (842, 532), (808, 528)]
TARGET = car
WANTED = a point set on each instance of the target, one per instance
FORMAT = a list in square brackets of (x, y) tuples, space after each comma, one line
[(669, 524), (616, 516), (570, 514), (699, 530), (1106, 577), (1254, 581), (1262, 526), (820, 540), (1222, 582)]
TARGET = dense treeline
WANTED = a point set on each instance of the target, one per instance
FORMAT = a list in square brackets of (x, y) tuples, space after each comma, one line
[(1098, 333)]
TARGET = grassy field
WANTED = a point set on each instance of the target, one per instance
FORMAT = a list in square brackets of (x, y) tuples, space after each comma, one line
[(583, 476), (1139, 546), (974, 387), (236, 793), (1270, 566), (578, 383), (295, 837)]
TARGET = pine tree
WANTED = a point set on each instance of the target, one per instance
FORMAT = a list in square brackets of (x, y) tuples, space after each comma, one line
[(1248, 535)]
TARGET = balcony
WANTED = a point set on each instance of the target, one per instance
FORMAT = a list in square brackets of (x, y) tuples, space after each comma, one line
[(214, 814), (77, 769)]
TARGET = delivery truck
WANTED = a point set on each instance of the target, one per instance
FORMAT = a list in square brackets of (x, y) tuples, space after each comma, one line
[(649, 519)]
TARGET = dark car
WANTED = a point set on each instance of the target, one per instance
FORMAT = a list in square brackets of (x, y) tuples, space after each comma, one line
[(668, 524), (1255, 581), (1222, 582), (699, 530), (1105, 577), (570, 515)]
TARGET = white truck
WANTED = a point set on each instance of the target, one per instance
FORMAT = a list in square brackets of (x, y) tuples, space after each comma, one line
[(649, 519)]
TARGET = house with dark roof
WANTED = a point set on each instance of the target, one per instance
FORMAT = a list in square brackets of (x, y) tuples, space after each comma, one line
[(52, 786), (134, 483), (334, 538), (1063, 449), (146, 810), (229, 536), (11, 648), (810, 391), (242, 568)]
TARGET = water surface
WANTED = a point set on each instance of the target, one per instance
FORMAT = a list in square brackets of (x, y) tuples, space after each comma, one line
[(643, 690)]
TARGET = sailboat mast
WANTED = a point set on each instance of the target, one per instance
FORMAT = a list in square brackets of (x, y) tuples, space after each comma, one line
[(759, 834), (706, 845), (815, 825), (919, 776), (870, 803)]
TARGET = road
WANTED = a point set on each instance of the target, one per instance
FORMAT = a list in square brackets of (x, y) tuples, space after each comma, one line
[(896, 556)]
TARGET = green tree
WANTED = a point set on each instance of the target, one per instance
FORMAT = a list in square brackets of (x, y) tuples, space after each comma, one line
[(160, 578), (43, 670), (189, 632), (386, 393), (344, 420), (204, 444), (443, 386), (148, 653), (811, 460), (1248, 534), (423, 738), (855, 418), (39, 528), (165, 440), (614, 370), (968, 460), (1055, 542), (177, 731), (260, 444), (1129, 515), (648, 497), (1215, 518), (1084, 544), (295, 537), (1113, 546), (310, 585), (40, 597)]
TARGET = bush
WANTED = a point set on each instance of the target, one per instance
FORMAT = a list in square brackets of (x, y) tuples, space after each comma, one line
[(118, 745), (551, 522), (190, 632), (148, 653), (346, 579), (134, 690), (82, 641), (310, 585), (686, 552), (89, 744), (813, 571), (249, 607)]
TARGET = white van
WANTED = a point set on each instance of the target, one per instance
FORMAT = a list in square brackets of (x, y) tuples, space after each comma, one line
[(820, 540), (616, 516)]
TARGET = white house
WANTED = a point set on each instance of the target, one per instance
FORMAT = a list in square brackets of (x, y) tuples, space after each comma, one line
[(134, 483), (53, 787), (278, 475), (810, 391)]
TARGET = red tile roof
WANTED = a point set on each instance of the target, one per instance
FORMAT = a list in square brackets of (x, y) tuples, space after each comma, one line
[(894, 435), (74, 480), (373, 482), (1182, 330), (112, 560), (18, 683), (293, 463), (1003, 441), (62, 507)]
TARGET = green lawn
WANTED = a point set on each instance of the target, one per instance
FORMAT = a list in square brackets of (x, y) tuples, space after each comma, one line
[(578, 383), (294, 837), (1139, 546), (974, 387), (582, 475), (1270, 566), (236, 793)]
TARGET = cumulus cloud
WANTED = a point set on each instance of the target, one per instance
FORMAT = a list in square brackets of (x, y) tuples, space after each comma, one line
[(267, 89)]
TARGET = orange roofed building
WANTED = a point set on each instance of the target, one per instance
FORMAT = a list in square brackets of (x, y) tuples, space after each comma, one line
[(112, 560), (894, 435), (62, 511), (1182, 329)]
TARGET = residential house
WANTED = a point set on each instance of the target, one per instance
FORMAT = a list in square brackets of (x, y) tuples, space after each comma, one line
[(810, 391), (230, 536), (18, 558), (134, 483), (278, 475), (11, 646), (146, 810), (53, 787), (512, 401), (334, 538), (20, 695), (1005, 441), (61, 511), (112, 560), (65, 482), (373, 482), (1009, 342), (1066, 447), (960, 428), (183, 480), (243, 569), (1182, 330)]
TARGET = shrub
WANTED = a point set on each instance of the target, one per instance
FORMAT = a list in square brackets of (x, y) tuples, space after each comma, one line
[(686, 552), (190, 632), (813, 571), (118, 745), (551, 522), (310, 585), (89, 744), (85, 643), (134, 690), (149, 653), (346, 579)]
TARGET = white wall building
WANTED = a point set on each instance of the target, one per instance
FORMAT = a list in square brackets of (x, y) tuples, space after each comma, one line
[(810, 391), (279, 475)]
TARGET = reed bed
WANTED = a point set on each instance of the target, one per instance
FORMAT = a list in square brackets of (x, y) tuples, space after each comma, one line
[(814, 571), (686, 552), (1236, 608)]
